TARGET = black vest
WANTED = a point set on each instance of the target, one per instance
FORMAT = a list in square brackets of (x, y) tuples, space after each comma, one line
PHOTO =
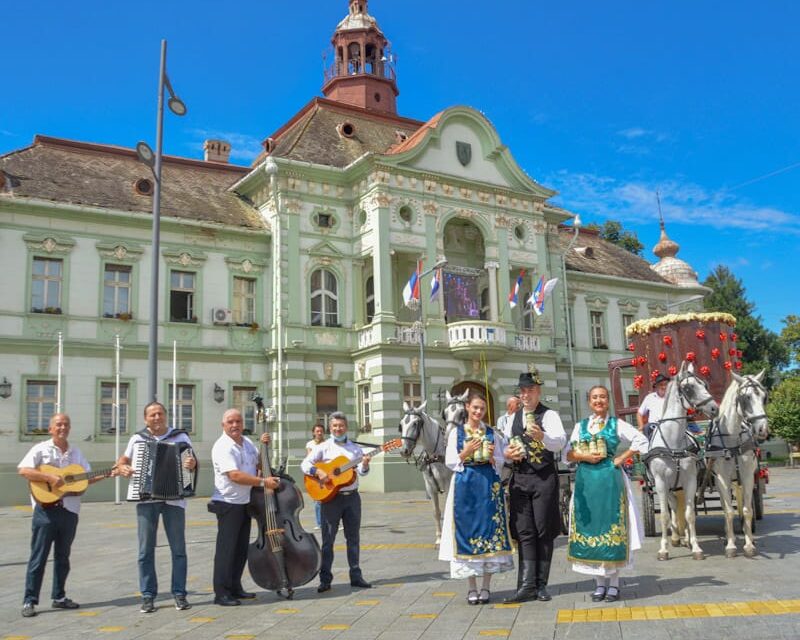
[(540, 461)]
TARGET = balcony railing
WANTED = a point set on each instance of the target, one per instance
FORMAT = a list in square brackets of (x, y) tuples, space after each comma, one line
[(461, 334), (367, 337), (524, 342), (407, 334)]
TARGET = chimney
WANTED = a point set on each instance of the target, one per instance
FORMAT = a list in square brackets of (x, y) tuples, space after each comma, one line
[(216, 151)]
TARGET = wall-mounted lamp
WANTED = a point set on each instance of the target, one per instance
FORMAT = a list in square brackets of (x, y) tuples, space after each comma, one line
[(219, 393), (5, 388)]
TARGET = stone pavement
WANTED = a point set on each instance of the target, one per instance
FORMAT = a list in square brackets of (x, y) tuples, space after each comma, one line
[(412, 595)]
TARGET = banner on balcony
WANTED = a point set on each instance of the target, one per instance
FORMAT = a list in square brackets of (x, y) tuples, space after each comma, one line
[(461, 299)]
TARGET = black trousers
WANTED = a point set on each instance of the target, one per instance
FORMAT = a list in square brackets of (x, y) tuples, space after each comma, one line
[(347, 509), (535, 523), (54, 527), (233, 539)]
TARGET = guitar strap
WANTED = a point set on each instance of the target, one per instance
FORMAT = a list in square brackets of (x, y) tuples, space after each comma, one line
[(374, 445), (145, 433)]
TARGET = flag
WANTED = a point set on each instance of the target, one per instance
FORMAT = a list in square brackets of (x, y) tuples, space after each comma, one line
[(513, 297), (411, 290), (436, 284), (543, 289)]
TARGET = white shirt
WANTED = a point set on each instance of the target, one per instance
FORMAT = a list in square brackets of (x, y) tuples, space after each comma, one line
[(652, 407), (48, 453), (504, 423), (311, 444), (626, 432), (227, 456), (554, 435), (138, 438), (330, 450), (453, 460)]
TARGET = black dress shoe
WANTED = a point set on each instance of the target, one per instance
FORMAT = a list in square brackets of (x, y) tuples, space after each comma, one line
[(227, 601), (244, 595), (599, 594), (360, 583), (322, 588), (612, 595), (543, 595)]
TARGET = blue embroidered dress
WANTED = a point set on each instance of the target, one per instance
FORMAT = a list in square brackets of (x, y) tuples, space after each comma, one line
[(475, 537)]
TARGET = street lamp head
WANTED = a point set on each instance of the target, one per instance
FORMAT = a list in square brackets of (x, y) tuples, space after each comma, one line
[(176, 105), (145, 154), (576, 221), (440, 264)]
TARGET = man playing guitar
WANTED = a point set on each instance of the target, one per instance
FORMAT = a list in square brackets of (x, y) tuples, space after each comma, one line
[(53, 524)]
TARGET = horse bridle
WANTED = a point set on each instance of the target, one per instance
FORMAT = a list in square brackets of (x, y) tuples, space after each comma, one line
[(418, 422), (452, 401), (685, 397), (740, 394)]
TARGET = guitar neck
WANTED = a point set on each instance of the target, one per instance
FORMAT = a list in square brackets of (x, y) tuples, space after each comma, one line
[(90, 474), (381, 449)]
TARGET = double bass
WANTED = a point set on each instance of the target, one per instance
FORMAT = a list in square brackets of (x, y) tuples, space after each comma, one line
[(283, 555)]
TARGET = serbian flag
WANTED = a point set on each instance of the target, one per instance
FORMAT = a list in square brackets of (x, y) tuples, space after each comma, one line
[(513, 297), (539, 295), (411, 290), (436, 284)]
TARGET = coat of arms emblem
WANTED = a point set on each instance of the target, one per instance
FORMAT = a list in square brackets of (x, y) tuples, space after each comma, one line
[(464, 152)]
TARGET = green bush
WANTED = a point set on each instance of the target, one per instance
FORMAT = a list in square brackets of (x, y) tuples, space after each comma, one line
[(783, 410)]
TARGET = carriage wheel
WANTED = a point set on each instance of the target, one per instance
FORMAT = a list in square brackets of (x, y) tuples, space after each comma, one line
[(649, 513), (758, 501), (564, 497)]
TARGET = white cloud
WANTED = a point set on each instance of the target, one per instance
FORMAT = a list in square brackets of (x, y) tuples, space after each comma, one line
[(633, 132), (681, 202), (243, 146)]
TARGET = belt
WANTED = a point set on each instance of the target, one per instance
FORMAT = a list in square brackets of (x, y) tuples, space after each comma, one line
[(347, 493), (54, 505)]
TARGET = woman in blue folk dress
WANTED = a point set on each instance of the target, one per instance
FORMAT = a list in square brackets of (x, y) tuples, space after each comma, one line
[(475, 538), (605, 527)]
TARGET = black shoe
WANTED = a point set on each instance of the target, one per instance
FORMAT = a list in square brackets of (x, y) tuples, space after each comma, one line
[(323, 587), (28, 610), (612, 595), (527, 590), (244, 595), (360, 583), (65, 603), (181, 603), (543, 595), (147, 605), (599, 594), (227, 601)]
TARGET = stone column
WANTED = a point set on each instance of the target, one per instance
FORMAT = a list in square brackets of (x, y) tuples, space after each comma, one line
[(492, 267)]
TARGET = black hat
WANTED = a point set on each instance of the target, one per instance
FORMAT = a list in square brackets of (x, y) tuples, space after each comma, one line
[(529, 379), (660, 378)]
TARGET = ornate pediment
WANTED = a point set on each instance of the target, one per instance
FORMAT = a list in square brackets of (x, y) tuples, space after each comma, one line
[(246, 265), (54, 244), (124, 252), (184, 257), (325, 248)]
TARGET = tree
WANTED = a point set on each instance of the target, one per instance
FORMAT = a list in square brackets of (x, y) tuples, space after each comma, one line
[(790, 336), (762, 348), (612, 231), (783, 410)]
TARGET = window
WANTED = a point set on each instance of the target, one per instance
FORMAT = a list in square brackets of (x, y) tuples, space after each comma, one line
[(327, 403), (244, 301), (46, 285), (370, 298), (324, 299), (527, 311), (627, 319), (242, 400), (116, 291), (40, 399), (364, 414), (184, 408), (598, 337), (107, 392), (181, 296), (412, 393)]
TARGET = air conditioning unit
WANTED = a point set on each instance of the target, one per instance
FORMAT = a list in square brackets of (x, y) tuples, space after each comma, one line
[(221, 316)]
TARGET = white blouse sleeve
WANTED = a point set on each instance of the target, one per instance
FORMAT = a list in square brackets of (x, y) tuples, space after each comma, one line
[(568, 446), (633, 435), (451, 457), (554, 435)]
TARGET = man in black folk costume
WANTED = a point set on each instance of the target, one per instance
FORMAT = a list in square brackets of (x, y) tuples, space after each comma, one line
[(536, 435)]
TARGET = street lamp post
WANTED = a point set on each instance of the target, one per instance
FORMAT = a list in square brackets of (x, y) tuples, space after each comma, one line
[(153, 160), (576, 225), (424, 387)]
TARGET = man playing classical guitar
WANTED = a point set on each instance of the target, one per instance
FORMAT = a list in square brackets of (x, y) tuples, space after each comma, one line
[(53, 524), (345, 507)]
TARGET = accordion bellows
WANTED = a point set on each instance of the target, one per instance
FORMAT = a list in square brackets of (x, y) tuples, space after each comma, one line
[(159, 473)]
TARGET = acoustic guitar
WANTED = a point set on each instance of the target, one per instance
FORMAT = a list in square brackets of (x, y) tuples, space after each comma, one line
[(76, 481), (341, 472)]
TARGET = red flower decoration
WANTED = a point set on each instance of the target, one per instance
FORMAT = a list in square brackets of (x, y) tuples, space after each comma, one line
[(734, 337), (631, 347), (633, 362), (731, 352), (668, 340), (638, 381), (700, 334), (629, 462), (673, 370), (705, 370), (654, 374), (642, 360), (738, 365), (723, 336), (690, 412), (662, 356), (715, 353), (738, 353), (728, 365), (691, 356)]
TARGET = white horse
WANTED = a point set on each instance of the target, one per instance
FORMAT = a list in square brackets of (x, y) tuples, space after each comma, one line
[(417, 427), (730, 452), (455, 411), (670, 462)]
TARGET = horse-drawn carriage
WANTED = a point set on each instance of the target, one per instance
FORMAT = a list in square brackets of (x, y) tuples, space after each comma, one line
[(704, 344)]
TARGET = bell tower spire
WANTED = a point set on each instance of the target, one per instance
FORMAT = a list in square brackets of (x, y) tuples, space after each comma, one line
[(362, 73)]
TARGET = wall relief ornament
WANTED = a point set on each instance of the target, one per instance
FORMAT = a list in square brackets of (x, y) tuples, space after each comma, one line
[(48, 243), (415, 365), (327, 369)]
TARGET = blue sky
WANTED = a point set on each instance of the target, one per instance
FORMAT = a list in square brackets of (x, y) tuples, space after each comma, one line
[(604, 102)]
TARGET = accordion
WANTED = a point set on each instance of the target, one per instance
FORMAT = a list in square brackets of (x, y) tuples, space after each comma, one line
[(159, 473)]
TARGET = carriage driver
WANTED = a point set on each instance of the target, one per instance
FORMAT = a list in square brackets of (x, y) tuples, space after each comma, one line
[(652, 406)]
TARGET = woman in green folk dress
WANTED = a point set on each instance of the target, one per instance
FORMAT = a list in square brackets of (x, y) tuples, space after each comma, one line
[(605, 527)]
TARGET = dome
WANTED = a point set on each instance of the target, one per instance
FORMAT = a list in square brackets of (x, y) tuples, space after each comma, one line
[(669, 267)]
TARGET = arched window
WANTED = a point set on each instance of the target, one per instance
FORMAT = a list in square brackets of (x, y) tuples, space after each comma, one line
[(369, 296), (324, 299), (526, 310)]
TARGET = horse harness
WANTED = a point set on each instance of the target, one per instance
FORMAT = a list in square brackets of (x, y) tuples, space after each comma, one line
[(424, 460)]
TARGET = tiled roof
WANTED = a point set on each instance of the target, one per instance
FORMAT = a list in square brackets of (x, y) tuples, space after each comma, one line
[(604, 258), (312, 134), (413, 140), (99, 175)]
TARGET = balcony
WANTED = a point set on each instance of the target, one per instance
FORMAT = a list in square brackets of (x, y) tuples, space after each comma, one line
[(466, 337), (526, 342)]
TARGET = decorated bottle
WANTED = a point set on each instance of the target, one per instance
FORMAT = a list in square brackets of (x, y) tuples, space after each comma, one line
[(469, 435), (485, 451), (583, 447), (593, 445), (602, 449)]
